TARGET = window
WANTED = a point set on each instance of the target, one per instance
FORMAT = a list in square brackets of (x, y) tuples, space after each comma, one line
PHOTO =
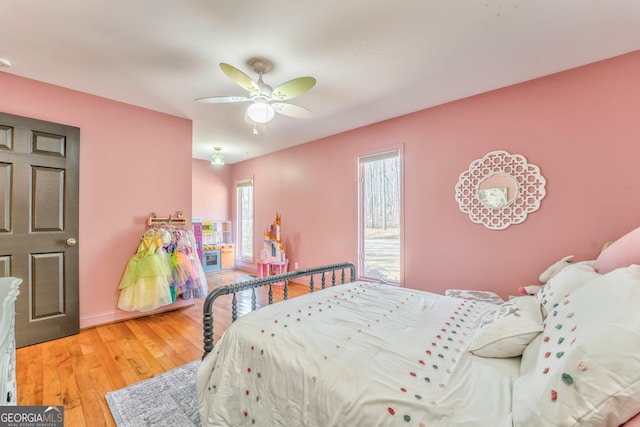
[(245, 218), (379, 216)]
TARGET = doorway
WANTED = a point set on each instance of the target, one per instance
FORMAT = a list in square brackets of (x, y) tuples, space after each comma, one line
[(39, 191)]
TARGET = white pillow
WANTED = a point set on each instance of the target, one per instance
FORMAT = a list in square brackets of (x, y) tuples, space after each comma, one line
[(588, 367), (469, 294), (506, 330), (530, 355), (563, 283)]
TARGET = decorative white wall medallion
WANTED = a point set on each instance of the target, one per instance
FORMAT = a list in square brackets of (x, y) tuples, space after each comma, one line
[(500, 189)]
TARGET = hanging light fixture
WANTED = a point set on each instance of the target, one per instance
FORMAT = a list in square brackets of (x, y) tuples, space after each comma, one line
[(217, 159), (260, 112)]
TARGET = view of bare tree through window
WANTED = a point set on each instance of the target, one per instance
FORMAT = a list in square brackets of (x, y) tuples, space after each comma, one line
[(380, 216)]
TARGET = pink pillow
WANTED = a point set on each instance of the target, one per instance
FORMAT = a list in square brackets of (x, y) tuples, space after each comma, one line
[(633, 422), (622, 253)]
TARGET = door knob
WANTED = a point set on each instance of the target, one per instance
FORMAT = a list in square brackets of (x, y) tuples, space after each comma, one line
[(71, 241)]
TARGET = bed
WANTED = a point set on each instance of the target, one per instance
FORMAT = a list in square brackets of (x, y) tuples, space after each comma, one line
[(355, 353)]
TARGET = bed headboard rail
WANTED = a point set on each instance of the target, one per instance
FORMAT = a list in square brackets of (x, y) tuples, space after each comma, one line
[(207, 308)]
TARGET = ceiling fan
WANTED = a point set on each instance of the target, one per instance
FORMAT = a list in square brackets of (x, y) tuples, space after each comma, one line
[(265, 101)]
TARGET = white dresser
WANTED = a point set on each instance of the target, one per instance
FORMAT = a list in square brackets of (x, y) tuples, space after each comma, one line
[(8, 293)]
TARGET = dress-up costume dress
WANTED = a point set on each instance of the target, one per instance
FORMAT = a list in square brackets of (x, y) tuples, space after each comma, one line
[(188, 277), (199, 288), (145, 283)]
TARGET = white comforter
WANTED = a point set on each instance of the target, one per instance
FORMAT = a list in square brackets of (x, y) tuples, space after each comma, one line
[(359, 354)]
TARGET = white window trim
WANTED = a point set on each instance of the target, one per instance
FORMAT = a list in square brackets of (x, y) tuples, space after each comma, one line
[(243, 183)]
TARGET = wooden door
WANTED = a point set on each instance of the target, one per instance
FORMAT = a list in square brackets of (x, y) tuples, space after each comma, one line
[(39, 186)]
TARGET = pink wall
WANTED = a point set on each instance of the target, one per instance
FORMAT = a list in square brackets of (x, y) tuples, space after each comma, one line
[(211, 190), (133, 162), (580, 127)]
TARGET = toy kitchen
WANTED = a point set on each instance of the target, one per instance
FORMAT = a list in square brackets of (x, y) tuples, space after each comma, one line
[(215, 244)]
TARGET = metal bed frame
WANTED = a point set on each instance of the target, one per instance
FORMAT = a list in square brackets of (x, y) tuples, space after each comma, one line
[(207, 308)]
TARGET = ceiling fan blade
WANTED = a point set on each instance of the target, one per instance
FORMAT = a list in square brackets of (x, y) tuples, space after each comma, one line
[(293, 88), (222, 99), (240, 78), (291, 110)]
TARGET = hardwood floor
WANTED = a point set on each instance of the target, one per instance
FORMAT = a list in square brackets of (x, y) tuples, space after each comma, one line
[(77, 371)]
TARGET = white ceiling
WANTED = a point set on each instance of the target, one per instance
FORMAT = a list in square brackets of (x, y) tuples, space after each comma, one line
[(373, 60)]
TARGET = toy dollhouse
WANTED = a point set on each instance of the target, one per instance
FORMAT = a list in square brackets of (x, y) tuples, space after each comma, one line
[(273, 257)]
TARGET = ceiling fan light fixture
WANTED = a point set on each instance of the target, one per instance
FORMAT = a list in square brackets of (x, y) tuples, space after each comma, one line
[(217, 159), (260, 112), (264, 101)]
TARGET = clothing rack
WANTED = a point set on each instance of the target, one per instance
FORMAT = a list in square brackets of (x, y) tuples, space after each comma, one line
[(179, 219), (164, 267)]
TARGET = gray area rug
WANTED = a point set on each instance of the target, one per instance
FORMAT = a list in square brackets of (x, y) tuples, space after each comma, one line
[(168, 399)]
